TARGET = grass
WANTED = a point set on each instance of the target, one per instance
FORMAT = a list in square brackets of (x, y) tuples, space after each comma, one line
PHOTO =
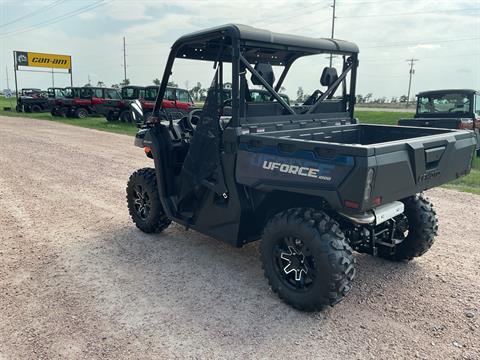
[(98, 123), (470, 183), (382, 117)]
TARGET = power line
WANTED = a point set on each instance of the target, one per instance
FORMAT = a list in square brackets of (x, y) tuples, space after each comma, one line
[(48, 7), (412, 71), (409, 13), (421, 42), (56, 19)]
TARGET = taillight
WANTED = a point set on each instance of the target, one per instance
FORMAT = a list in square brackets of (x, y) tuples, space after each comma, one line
[(465, 124), (351, 204)]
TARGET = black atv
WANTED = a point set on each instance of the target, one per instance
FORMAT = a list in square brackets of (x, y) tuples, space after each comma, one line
[(309, 181), (32, 100), (449, 109)]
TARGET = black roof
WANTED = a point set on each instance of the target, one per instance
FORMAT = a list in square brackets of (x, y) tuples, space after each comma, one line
[(446, 91), (201, 44)]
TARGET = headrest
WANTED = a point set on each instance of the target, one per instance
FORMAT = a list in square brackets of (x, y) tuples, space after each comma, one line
[(266, 72), (329, 76)]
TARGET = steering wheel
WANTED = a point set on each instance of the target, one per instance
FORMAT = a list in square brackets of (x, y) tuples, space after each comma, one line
[(193, 117)]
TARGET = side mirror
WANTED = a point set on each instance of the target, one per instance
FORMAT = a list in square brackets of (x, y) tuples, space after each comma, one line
[(137, 111)]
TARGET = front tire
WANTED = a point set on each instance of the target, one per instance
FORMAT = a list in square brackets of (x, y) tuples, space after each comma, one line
[(111, 117), (36, 108), (144, 203), (306, 259), (81, 113), (422, 230)]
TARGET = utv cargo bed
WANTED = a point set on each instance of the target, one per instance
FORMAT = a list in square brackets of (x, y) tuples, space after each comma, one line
[(335, 161)]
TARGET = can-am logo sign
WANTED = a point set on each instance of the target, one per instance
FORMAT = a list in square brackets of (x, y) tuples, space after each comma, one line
[(24, 58)]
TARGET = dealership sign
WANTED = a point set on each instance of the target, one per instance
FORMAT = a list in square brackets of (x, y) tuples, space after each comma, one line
[(24, 58)]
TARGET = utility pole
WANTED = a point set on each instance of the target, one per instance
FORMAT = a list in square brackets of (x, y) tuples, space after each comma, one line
[(89, 79), (412, 71), (53, 79), (124, 63), (6, 72), (333, 26)]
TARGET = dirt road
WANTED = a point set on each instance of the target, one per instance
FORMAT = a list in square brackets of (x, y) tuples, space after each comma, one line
[(78, 280)]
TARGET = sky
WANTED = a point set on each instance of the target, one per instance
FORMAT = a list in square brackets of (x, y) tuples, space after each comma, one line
[(443, 34)]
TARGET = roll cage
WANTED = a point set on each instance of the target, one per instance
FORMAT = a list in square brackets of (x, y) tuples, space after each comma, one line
[(243, 46)]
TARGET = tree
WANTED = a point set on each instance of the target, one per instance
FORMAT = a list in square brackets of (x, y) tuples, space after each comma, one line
[(172, 84), (195, 91), (367, 97), (403, 98), (282, 89), (394, 100), (100, 84), (87, 85), (300, 94), (125, 82), (202, 94), (156, 82), (115, 86), (360, 99)]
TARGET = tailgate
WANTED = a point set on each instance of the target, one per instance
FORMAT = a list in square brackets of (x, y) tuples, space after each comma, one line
[(421, 164)]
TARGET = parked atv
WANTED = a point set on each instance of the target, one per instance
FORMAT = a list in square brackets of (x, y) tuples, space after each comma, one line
[(176, 101), (309, 181), (55, 100), (32, 100), (90, 101), (448, 109)]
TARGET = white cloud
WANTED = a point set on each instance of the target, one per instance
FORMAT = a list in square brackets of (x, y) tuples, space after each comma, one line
[(152, 26), (424, 46)]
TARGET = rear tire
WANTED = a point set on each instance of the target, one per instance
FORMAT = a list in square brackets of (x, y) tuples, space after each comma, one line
[(36, 108), (126, 116), (81, 113), (306, 259), (144, 203), (111, 117), (422, 230)]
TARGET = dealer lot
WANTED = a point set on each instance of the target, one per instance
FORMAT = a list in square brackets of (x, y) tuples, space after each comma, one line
[(78, 280)]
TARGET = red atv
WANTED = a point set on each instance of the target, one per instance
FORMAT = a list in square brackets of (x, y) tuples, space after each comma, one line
[(177, 101), (81, 102)]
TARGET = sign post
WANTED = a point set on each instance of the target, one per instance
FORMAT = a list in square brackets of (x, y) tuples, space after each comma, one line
[(33, 59)]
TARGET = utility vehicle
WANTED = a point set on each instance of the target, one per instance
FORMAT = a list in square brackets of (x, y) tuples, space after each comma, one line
[(256, 95), (309, 181), (448, 109), (55, 96), (176, 100), (84, 101), (32, 100)]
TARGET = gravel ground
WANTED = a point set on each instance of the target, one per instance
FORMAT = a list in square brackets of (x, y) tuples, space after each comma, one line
[(78, 280)]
